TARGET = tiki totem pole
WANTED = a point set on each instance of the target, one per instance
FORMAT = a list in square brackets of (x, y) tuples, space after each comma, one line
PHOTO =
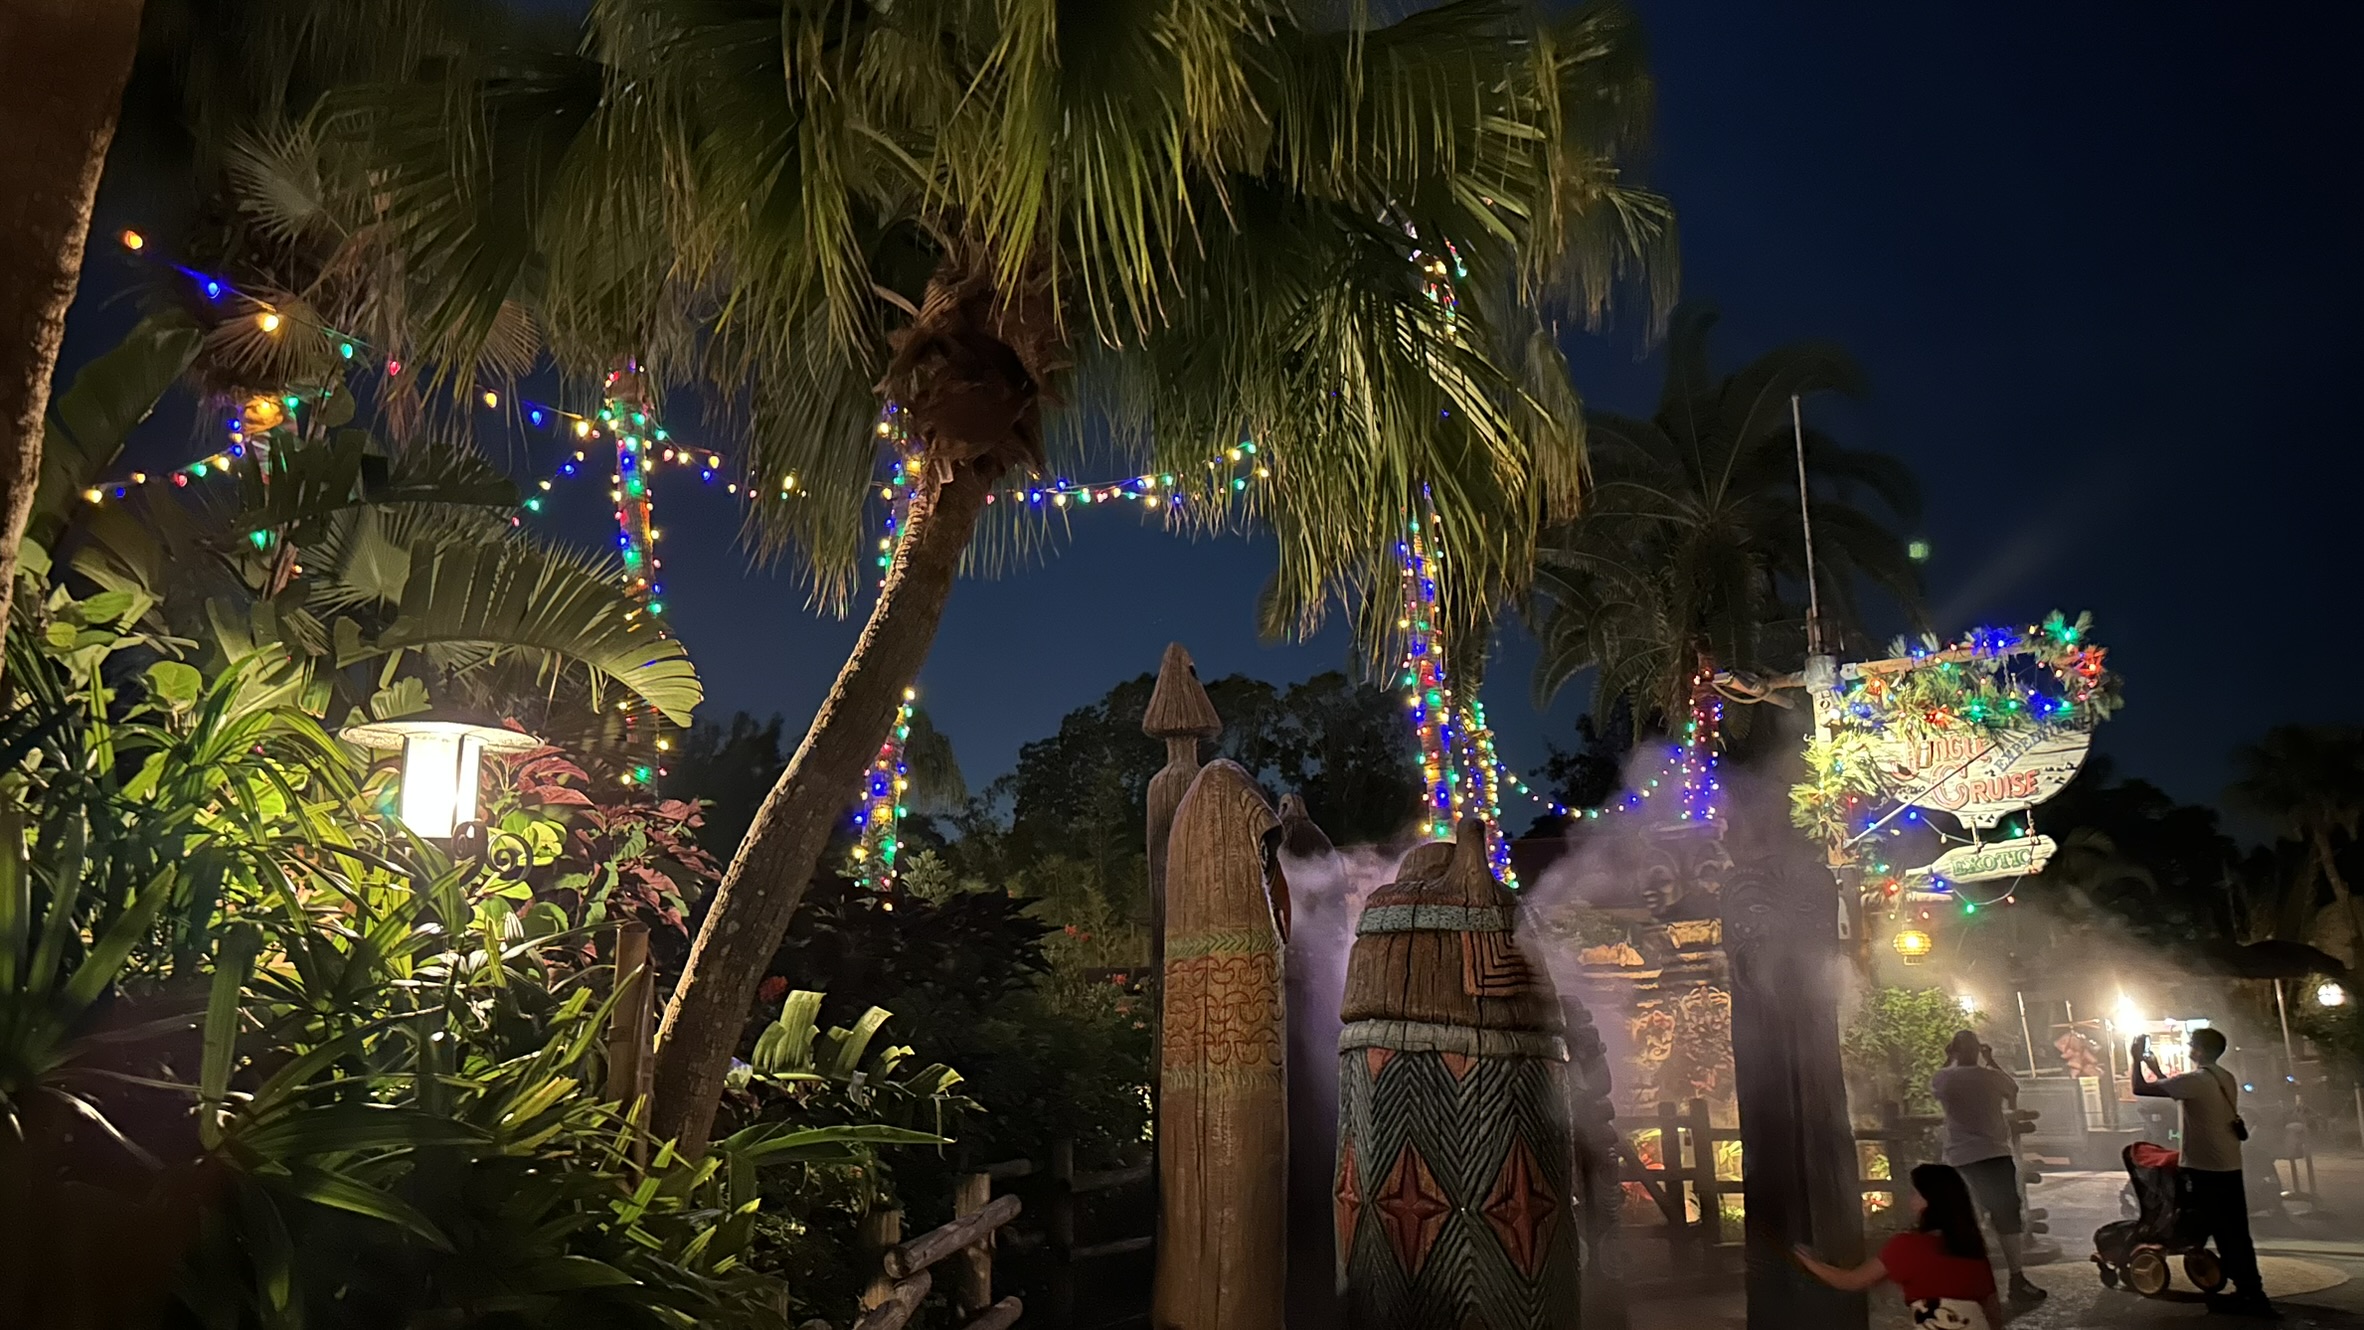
[(1779, 906), (1181, 714), (1451, 1190), (1222, 1123)]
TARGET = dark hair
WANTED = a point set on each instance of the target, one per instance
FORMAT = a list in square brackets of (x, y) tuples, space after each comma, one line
[(2209, 1040), (1962, 1049), (1949, 1214)]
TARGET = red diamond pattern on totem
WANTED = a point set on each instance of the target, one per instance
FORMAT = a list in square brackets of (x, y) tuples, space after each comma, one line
[(1521, 1209), (1350, 1199), (1458, 1064), (1377, 1059), (1412, 1208)]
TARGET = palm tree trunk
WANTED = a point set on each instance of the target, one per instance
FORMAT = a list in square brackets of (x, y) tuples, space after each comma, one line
[(63, 64), (775, 862), (2347, 899)]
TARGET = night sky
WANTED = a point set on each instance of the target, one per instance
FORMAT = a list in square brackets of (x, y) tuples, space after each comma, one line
[(2098, 262)]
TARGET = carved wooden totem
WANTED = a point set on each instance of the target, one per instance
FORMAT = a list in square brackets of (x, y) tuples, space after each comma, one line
[(1180, 713), (1451, 1189), (1780, 905), (1222, 1119)]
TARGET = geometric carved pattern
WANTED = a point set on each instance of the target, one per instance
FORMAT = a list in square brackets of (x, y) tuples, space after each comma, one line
[(1522, 1209), (1458, 1064), (1491, 966), (1412, 1209), (1377, 1058), (1221, 1011), (1350, 1199)]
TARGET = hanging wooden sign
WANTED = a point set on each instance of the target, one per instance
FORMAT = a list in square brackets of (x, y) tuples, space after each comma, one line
[(2017, 857), (1979, 777)]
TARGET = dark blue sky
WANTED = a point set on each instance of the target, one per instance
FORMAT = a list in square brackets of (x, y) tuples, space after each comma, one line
[(2099, 263)]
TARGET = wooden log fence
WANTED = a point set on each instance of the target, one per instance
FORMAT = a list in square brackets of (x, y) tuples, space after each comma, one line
[(1684, 1180)]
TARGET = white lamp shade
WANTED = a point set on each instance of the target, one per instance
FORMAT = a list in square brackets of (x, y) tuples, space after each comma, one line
[(439, 781), (442, 767)]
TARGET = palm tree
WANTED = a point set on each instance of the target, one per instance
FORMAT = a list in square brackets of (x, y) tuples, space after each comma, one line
[(1194, 223), (2310, 780), (63, 64), (1690, 537)]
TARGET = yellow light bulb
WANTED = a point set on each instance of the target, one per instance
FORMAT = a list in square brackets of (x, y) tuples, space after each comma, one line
[(92, 495), (492, 398), (134, 241), (582, 431), (268, 321), (910, 694)]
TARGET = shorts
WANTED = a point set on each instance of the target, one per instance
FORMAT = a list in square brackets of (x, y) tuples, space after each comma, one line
[(1995, 1182)]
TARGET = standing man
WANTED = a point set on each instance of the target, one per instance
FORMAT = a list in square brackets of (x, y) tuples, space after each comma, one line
[(1975, 1094), (2212, 1136)]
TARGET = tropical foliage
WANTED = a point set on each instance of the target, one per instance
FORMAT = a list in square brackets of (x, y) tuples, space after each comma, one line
[(266, 1061), (371, 576), (2310, 780), (1194, 224), (1691, 537)]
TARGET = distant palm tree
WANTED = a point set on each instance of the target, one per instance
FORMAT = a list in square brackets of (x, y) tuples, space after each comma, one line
[(2310, 780), (1198, 222), (1690, 534)]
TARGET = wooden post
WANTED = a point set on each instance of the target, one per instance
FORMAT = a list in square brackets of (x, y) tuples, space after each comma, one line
[(1061, 1223), (972, 1285), (1803, 1185), (880, 1231), (627, 1027), (1711, 1198), (1677, 1180)]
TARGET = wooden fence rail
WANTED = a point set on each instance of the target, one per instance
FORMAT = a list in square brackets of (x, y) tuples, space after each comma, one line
[(1685, 1180)]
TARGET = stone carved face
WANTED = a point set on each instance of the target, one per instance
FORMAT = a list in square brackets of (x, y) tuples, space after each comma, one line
[(1681, 875)]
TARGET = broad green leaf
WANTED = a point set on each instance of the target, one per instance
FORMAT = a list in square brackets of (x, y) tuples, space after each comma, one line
[(175, 682)]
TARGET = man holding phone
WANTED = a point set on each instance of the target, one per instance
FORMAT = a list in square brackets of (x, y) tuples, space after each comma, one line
[(1975, 1093), (2211, 1168)]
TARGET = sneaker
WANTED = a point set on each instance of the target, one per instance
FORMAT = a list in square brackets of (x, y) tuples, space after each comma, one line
[(2024, 1291)]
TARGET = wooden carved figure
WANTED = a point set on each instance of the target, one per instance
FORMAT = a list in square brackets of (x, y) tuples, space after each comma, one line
[(1181, 714), (1222, 1119), (1451, 1188)]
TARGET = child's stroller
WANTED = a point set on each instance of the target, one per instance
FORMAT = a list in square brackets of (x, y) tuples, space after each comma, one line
[(2136, 1250)]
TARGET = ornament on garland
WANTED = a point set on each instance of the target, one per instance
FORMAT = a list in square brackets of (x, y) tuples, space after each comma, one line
[(882, 812), (1980, 729), (1460, 773)]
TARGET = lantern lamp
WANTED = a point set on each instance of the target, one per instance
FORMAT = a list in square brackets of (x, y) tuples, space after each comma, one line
[(2330, 993), (442, 761), (1913, 945)]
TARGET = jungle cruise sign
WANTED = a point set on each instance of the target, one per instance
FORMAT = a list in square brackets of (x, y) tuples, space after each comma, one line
[(1980, 729)]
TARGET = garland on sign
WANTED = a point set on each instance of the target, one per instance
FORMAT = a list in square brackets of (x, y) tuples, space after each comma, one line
[(2047, 678)]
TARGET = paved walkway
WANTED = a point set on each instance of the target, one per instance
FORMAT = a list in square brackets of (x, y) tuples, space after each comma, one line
[(2313, 1265)]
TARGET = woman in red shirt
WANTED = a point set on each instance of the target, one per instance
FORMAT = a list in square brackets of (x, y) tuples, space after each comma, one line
[(1940, 1266)]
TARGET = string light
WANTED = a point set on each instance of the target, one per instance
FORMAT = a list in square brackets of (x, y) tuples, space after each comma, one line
[(884, 788)]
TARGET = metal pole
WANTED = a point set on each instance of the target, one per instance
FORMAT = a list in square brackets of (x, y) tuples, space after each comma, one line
[(2289, 1056), (1797, 425), (2360, 1112), (2026, 1033)]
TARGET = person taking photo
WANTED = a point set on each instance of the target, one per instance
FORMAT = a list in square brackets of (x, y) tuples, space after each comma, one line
[(1977, 1096), (2211, 1165)]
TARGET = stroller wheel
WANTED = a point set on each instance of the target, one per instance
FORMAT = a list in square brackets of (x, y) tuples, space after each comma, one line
[(2204, 1270), (2146, 1273), (2109, 1274)]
